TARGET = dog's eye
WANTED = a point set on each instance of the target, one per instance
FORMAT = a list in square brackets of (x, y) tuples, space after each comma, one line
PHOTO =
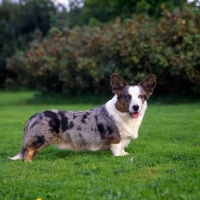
[(127, 97), (140, 96)]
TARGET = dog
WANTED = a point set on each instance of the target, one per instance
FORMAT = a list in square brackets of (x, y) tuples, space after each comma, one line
[(110, 126)]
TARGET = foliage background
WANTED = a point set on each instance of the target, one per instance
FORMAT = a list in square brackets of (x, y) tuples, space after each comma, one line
[(78, 50)]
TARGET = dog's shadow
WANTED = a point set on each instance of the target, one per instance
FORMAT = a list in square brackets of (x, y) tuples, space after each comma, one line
[(53, 153)]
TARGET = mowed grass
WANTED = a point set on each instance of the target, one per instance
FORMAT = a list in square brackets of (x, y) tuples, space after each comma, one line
[(163, 163)]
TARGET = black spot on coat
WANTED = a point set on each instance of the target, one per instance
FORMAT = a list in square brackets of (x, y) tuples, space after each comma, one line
[(35, 123), (101, 130), (79, 128), (40, 140), (83, 119), (71, 125), (50, 114), (110, 131), (54, 122), (64, 121)]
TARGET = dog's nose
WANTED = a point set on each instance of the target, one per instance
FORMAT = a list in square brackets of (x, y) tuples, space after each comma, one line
[(135, 107)]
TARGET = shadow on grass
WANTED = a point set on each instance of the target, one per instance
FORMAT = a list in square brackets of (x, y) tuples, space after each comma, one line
[(52, 153)]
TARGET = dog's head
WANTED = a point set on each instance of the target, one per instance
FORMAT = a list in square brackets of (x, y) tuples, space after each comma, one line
[(130, 98)]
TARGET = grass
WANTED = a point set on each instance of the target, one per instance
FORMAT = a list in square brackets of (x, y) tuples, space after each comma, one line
[(163, 163)]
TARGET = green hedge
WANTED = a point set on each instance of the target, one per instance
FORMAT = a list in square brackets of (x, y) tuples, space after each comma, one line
[(18, 22), (82, 59)]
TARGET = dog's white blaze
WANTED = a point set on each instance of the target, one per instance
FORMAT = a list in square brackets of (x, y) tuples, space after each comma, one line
[(134, 91)]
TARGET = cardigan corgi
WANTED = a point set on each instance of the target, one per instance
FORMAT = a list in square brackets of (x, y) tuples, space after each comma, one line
[(110, 126)]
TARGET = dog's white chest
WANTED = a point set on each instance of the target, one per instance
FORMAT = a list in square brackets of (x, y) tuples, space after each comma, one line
[(128, 127)]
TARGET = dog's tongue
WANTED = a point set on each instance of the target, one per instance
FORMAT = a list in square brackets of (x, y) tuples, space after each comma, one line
[(135, 115)]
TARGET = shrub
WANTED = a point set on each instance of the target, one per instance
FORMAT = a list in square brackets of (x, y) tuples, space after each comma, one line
[(82, 59), (18, 21)]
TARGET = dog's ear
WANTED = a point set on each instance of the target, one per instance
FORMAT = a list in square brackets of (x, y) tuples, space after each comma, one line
[(117, 84), (148, 84)]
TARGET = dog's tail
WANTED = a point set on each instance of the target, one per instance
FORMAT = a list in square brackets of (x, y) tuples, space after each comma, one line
[(19, 156)]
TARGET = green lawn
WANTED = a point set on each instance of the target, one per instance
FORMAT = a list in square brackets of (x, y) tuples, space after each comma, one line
[(163, 163)]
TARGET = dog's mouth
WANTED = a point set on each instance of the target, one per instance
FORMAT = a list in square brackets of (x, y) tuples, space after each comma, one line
[(134, 115)]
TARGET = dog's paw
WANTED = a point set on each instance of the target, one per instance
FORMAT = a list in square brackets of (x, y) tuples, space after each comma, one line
[(125, 153), (120, 153)]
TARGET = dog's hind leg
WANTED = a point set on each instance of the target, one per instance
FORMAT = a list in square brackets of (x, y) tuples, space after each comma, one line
[(32, 144), (29, 154), (32, 149), (25, 154)]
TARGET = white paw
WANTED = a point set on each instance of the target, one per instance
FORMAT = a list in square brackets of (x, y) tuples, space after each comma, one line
[(120, 153), (118, 150), (125, 153)]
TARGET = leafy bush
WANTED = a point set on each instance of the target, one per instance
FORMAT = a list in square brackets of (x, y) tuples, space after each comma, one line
[(18, 22), (82, 59)]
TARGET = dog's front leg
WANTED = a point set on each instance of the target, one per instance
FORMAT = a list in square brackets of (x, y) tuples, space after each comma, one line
[(118, 149)]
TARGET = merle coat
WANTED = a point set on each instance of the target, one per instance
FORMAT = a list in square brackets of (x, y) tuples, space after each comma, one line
[(90, 130)]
